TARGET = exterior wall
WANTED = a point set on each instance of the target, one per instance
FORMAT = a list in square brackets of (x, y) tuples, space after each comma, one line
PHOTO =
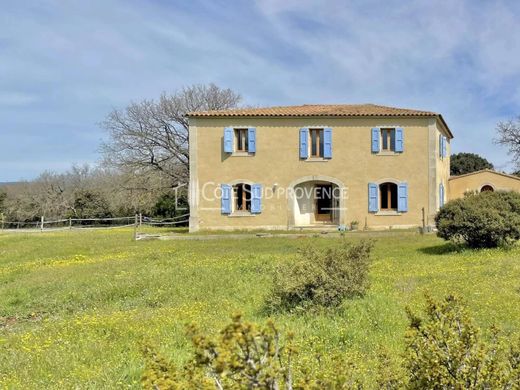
[(276, 164), (474, 182), (442, 170)]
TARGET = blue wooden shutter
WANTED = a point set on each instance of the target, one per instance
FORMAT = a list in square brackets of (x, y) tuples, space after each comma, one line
[(226, 199), (304, 142), (373, 198), (256, 198), (327, 142), (441, 195), (442, 146), (251, 140), (402, 197), (228, 140), (399, 140), (375, 139)]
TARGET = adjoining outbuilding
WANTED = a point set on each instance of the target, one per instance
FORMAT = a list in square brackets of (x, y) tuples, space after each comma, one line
[(479, 181)]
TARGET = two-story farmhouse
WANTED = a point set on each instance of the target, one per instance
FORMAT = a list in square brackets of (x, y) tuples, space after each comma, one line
[(317, 166)]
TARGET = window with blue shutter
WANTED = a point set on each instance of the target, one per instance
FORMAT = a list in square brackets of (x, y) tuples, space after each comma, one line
[(225, 199), (228, 140), (402, 197), (375, 139), (304, 142), (441, 195), (256, 198), (399, 140), (442, 146), (373, 201), (327, 142), (251, 140)]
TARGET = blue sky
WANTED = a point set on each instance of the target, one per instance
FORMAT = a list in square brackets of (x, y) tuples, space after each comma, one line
[(65, 64)]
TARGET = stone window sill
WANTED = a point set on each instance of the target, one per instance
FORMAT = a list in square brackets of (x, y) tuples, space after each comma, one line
[(387, 153), (242, 154), (316, 159), (238, 214), (388, 213)]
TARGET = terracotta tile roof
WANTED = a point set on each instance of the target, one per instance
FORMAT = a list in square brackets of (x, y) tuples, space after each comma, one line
[(317, 110), (348, 110)]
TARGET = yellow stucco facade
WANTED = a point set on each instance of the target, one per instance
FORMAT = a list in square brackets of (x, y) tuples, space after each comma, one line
[(482, 180), (277, 166)]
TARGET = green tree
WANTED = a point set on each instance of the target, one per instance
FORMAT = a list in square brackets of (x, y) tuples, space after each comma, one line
[(3, 195), (462, 163), (170, 205), (89, 204)]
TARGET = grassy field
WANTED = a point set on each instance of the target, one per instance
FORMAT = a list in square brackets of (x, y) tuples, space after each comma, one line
[(76, 306)]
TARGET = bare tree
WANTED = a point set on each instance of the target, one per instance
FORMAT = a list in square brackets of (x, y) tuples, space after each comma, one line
[(154, 134), (508, 134)]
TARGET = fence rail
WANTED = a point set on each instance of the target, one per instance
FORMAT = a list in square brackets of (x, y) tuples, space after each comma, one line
[(136, 221)]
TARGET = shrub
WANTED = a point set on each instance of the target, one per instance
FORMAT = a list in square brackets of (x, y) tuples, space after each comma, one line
[(446, 351), (243, 356), (322, 278), (443, 351), (484, 220)]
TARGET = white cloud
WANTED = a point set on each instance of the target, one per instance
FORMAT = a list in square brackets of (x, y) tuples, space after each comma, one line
[(66, 64)]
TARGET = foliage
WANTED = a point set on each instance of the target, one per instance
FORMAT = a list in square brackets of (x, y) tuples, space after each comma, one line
[(153, 135), (89, 204), (3, 195), (53, 195), (446, 351), (170, 205), (322, 277), (242, 356), (508, 135), (443, 351), (76, 305), (462, 163), (484, 220)]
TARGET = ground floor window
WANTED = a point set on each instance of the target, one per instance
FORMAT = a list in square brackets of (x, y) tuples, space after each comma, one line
[(388, 196), (242, 197)]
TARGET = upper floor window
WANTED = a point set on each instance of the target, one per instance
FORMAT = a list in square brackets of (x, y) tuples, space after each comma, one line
[(387, 139), (388, 196), (316, 138), (316, 143), (443, 150), (241, 141)]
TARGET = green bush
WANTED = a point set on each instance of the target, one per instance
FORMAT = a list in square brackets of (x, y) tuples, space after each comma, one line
[(484, 220), (446, 351), (321, 278), (242, 356)]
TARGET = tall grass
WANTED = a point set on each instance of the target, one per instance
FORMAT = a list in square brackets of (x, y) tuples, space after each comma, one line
[(76, 306)]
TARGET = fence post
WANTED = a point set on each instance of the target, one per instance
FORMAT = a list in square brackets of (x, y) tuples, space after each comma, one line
[(140, 219), (42, 222), (70, 223), (135, 227), (423, 230), (2, 215)]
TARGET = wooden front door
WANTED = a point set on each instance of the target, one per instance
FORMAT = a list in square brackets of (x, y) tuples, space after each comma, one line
[(323, 209)]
